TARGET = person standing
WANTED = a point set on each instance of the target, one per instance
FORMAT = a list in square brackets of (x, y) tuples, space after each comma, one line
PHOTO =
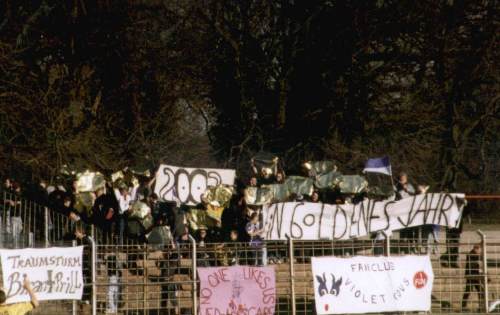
[(254, 231), (404, 189), (104, 213), (125, 197), (472, 275), (19, 308), (114, 281)]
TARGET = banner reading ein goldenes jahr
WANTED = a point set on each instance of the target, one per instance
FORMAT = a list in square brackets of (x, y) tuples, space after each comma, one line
[(364, 284), (55, 273), (318, 221)]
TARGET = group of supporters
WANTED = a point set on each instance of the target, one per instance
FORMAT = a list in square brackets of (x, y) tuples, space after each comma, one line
[(240, 223), (112, 208)]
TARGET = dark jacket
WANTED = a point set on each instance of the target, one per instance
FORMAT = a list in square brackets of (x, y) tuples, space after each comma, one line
[(101, 211), (473, 264)]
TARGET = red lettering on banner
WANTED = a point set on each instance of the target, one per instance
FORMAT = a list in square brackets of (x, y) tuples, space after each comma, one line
[(217, 277)]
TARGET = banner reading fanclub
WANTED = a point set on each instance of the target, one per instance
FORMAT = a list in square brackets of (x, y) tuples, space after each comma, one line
[(55, 273), (237, 290), (372, 284), (316, 221)]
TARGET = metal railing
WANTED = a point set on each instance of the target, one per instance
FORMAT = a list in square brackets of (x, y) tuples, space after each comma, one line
[(135, 278)]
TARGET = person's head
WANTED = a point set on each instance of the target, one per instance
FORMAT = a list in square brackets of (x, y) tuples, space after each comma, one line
[(185, 234), (254, 218), (43, 183), (253, 181), (3, 297), (67, 201), (16, 187), (280, 177), (123, 190), (153, 199), (403, 178), (477, 249), (315, 196), (99, 192), (233, 235), (265, 172), (203, 232), (73, 216), (7, 183)]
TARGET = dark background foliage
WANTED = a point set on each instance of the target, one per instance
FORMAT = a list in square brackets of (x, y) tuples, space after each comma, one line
[(107, 84)]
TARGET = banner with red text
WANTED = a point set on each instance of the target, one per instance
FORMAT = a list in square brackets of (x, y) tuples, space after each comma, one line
[(55, 273), (363, 284), (237, 290)]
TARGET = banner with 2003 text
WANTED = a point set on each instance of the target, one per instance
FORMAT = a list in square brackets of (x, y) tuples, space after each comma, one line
[(55, 273), (318, 221), (237, 290), (187, 185), (363, 284)]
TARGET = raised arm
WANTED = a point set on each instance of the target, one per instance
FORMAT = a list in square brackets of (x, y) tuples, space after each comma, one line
[(117, 194), (27, 286)]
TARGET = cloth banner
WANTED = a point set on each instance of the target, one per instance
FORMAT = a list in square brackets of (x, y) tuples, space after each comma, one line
[(363, 284), (237, 290), (187, 185), (380, 165), (55, 273), (318, 221)]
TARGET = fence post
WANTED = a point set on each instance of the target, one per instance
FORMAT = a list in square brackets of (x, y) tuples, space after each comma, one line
[(73, 243), (46, 225), (93, 271), (485, 270), (195, 287), (145, 277), (291, 257), (387, 244)]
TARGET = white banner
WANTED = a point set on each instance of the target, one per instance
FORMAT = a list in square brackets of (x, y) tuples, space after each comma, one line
[(188, 184), (372, 284), (317, 221), (55, 273)]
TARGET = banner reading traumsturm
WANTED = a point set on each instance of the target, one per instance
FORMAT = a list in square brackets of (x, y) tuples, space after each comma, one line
[(188, 184), (237, 290), (315, 221), (55, 273), (372, 284)]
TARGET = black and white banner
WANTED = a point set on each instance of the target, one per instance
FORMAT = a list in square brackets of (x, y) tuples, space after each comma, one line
[(186, 185), (317, 221), (372, 284), (55, 273)]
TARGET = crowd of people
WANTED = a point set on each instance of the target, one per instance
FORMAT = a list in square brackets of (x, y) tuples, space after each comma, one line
[(113, 207), (111, 213)]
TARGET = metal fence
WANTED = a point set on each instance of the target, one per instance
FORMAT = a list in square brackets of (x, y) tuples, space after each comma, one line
[(142, 279)]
